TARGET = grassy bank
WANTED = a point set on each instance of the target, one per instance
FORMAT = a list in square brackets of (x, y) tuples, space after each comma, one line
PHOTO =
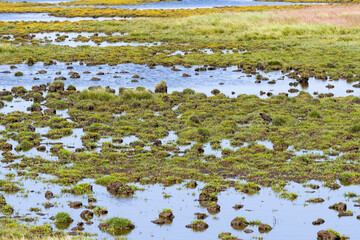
[(120, 12), (318, 41), (11, 230)]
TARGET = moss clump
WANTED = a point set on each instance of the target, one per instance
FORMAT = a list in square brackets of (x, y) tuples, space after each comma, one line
[(117, 226), (278, 121), (161, 87), (18, 74), (96, 94), (83, 188), (355, 128), (63, 217), (314, 114), (63, 220), (26, 145), (7, 209)]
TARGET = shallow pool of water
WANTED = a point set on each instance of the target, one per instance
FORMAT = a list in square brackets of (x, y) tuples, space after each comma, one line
[(191, 4), (289, 219), (45, 17), (226, 80)]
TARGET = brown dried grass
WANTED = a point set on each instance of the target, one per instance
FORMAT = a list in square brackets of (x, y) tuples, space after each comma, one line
[(337, 15)]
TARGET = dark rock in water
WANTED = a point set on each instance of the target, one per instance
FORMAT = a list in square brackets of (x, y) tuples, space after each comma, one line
[(315, 200), (293, 90), (204, 196), (35, 108), (213, 208), (157, 143), (2, 201), (265, 117), (60, 78), (48, 205), (86, 215), (41, 148), (49, 195), (327, 235), (95, 79), (159, 221), (227, 236), (319, 221), (91, 200), (186, 75), (161, 87), (74, 75), (191, 184), (239, 223), (119, 189), (30, 62), (341, 207), (175, 69), (248, 231), (78, 228), (71, 88), (198, 226), (7, 147), (334, 186), (76, 204), (345, 214), (201, 216), (57, 86), (238, 206), (215, 91), (166, 215), (90, 206), (263, 228), (103, 212), (50, 111)]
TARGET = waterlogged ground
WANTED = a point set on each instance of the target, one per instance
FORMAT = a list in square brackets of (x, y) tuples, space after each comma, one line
[(229, 80), (264, 141), (45, 17), (185, 4), (191, 4), (146, 204), (94, 137)]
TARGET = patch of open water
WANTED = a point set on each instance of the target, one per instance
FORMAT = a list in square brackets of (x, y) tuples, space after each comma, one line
[(45, 17), (289, 219), (192, 4), (226, 80)]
